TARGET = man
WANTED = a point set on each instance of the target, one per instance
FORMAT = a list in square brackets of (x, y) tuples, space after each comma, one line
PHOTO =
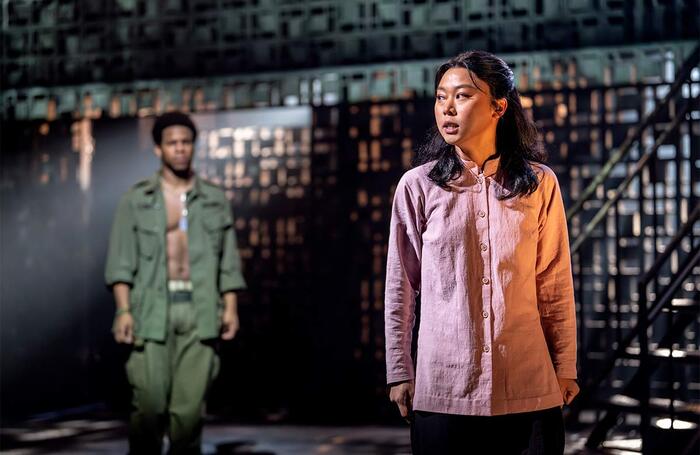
[(172, 260)]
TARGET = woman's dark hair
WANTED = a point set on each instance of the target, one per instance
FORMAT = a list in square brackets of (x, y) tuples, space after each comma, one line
[(517, 143)]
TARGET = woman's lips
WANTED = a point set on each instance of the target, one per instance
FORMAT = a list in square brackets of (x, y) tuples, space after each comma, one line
[(450, 128)]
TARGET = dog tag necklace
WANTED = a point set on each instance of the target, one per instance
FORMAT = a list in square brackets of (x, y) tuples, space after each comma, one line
[(182, 224)]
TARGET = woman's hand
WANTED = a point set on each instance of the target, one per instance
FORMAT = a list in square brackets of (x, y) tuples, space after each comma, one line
[(569, 389), (402, 395)]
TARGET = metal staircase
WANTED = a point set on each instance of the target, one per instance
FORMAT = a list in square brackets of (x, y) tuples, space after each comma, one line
[(639, 332)]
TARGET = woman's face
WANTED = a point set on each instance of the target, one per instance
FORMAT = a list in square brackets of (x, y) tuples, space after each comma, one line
[(464, 111)]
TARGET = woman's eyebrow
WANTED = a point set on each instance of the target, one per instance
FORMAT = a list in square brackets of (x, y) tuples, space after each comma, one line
[(456, 87)]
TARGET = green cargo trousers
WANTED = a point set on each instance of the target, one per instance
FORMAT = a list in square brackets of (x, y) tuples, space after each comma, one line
[(169, 381)]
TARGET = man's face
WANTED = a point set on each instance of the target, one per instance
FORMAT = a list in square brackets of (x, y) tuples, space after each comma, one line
[(176, 148), (464, 109)]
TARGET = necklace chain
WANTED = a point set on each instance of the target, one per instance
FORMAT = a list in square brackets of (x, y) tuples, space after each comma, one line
[(182, 222)]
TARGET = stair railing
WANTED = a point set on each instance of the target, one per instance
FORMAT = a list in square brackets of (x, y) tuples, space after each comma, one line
[(646, 316), (682, 75)]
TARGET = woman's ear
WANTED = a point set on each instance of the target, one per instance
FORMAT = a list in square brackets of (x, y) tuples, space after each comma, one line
[(499, 108)]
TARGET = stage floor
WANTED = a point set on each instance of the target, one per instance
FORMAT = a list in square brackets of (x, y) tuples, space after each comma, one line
[(108, 436)]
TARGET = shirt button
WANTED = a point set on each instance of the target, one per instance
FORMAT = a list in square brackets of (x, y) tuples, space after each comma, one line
[(485, 280), (485, 315), (486, 349), (480, 180), (481, 213), (483, 247)]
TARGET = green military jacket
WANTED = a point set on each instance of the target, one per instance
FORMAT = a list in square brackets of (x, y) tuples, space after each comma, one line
[(137, 255)]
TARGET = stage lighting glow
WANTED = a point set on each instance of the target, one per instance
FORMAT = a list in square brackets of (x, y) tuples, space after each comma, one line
[(626, 446), (677, 424), (46, 435)]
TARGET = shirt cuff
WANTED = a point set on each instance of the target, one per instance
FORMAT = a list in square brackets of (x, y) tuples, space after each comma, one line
[(566, 372), (232, 282), (119, 277), (392, 378)]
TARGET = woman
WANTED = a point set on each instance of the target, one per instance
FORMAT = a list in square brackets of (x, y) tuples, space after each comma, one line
[(478, 229)]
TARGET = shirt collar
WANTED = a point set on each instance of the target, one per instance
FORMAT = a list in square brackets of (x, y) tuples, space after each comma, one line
[(490, 166), (152, 183)]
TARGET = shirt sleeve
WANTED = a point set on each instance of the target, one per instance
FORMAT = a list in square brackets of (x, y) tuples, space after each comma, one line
[(555, 289), (122, 254), (402, 282), (230, 270)]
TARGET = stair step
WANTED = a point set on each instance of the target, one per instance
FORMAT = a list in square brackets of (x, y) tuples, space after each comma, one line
[(657, 406), (684, 306), (596, 355), (615, 446), (678, 355), (678, 424)]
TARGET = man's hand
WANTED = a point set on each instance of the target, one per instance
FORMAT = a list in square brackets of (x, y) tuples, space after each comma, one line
[(229, 324), (402, 395), (569, 389), (124, 328)]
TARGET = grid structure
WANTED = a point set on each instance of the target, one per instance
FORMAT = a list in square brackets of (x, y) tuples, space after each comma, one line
[(266, 173), (379, 143), (49, 42), (591, 67)]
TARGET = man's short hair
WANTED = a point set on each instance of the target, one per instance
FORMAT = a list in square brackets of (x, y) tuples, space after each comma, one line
[(172, 119)]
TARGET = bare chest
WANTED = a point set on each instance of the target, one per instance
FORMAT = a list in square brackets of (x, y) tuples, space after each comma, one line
[(176, 209), (176, 236)]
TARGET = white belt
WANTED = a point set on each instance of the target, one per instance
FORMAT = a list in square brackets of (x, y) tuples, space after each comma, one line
[(179, 285)]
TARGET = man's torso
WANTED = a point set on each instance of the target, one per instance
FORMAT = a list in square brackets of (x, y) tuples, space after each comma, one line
[(176, 241), (152, 244)]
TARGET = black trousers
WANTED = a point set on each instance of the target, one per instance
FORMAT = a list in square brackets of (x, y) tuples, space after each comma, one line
[(528, 433)]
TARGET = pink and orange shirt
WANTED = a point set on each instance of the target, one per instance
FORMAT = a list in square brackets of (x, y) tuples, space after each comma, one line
[(498, 322)]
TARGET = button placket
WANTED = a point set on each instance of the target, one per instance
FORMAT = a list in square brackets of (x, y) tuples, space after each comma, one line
[(484, 238)]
